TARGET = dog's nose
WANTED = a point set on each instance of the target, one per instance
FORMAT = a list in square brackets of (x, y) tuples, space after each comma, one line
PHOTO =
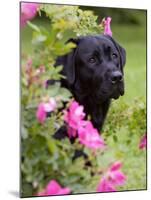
[(116, 77)]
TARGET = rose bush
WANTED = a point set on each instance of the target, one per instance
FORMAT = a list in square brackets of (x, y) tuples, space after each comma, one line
[(47, 165)]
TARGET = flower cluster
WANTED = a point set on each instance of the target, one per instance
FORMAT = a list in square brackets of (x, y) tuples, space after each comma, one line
[(53, 188), (28, 12), (113, 178), (77, 126)]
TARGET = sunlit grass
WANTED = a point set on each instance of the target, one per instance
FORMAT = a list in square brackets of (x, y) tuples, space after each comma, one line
[(133, 39)]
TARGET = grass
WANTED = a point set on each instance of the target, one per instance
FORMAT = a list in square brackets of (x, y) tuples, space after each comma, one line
[(133, 39)]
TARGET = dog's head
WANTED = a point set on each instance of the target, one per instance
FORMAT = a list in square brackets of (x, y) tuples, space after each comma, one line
[(96, 64)]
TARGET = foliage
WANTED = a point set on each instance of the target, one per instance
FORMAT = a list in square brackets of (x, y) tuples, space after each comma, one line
[(124, 127), (44, 158)]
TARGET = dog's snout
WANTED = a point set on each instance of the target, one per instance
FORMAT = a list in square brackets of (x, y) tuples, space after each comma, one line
[(116, 77)]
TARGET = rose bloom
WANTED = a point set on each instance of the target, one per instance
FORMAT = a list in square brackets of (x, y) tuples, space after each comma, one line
[(143, 142), (89, 136), (113, 178), (44, 108), (74, 117), (107, 26), (28, 12), (53, 188)]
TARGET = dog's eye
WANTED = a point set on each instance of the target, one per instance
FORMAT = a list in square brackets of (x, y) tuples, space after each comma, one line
[(92, 60), (114, 55)]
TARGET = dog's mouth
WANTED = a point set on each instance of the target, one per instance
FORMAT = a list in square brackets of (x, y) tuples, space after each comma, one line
[(115, 96), (112, 94), (119, 91), (108, 91)]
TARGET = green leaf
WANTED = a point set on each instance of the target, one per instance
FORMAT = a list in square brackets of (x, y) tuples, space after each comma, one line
[(33, 26), (24, 132), (38, 38), (53, 90), (64, 94), (51, 146)]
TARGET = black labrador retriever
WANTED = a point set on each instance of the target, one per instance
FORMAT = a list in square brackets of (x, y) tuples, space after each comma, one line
[(94, 71), (94, 74)]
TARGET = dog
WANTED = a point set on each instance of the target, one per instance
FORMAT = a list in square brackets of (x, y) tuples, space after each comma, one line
[(94, 72)]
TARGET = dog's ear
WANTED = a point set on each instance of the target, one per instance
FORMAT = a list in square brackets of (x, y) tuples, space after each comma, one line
[(122, 53), (69, 63), (120, 49)]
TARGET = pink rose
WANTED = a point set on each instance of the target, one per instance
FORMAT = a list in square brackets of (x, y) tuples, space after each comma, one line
[(74, 117), (113, 177), (43, 108), (89, 136), (143, 142), (53, 188), (41, 113), (83, 129), (106, 186), (117, 177), (107, 26), (28, 12)]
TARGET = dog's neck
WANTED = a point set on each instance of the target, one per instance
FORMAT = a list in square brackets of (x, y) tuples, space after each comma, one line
[(94, 108)]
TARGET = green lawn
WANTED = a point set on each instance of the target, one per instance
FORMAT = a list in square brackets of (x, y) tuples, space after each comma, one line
[(133, 39)]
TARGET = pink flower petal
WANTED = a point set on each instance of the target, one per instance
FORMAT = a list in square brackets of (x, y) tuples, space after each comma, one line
[(74, 116), (90, 137), (64, 191), (116, 166), (28, 11), (51, 105), (112, 178), (72, 132), (107, 28), (53, 188), (87, 134), (117, 178), (43, 108), (41, 113), (79, 112), (143, 142), (105, 186)]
